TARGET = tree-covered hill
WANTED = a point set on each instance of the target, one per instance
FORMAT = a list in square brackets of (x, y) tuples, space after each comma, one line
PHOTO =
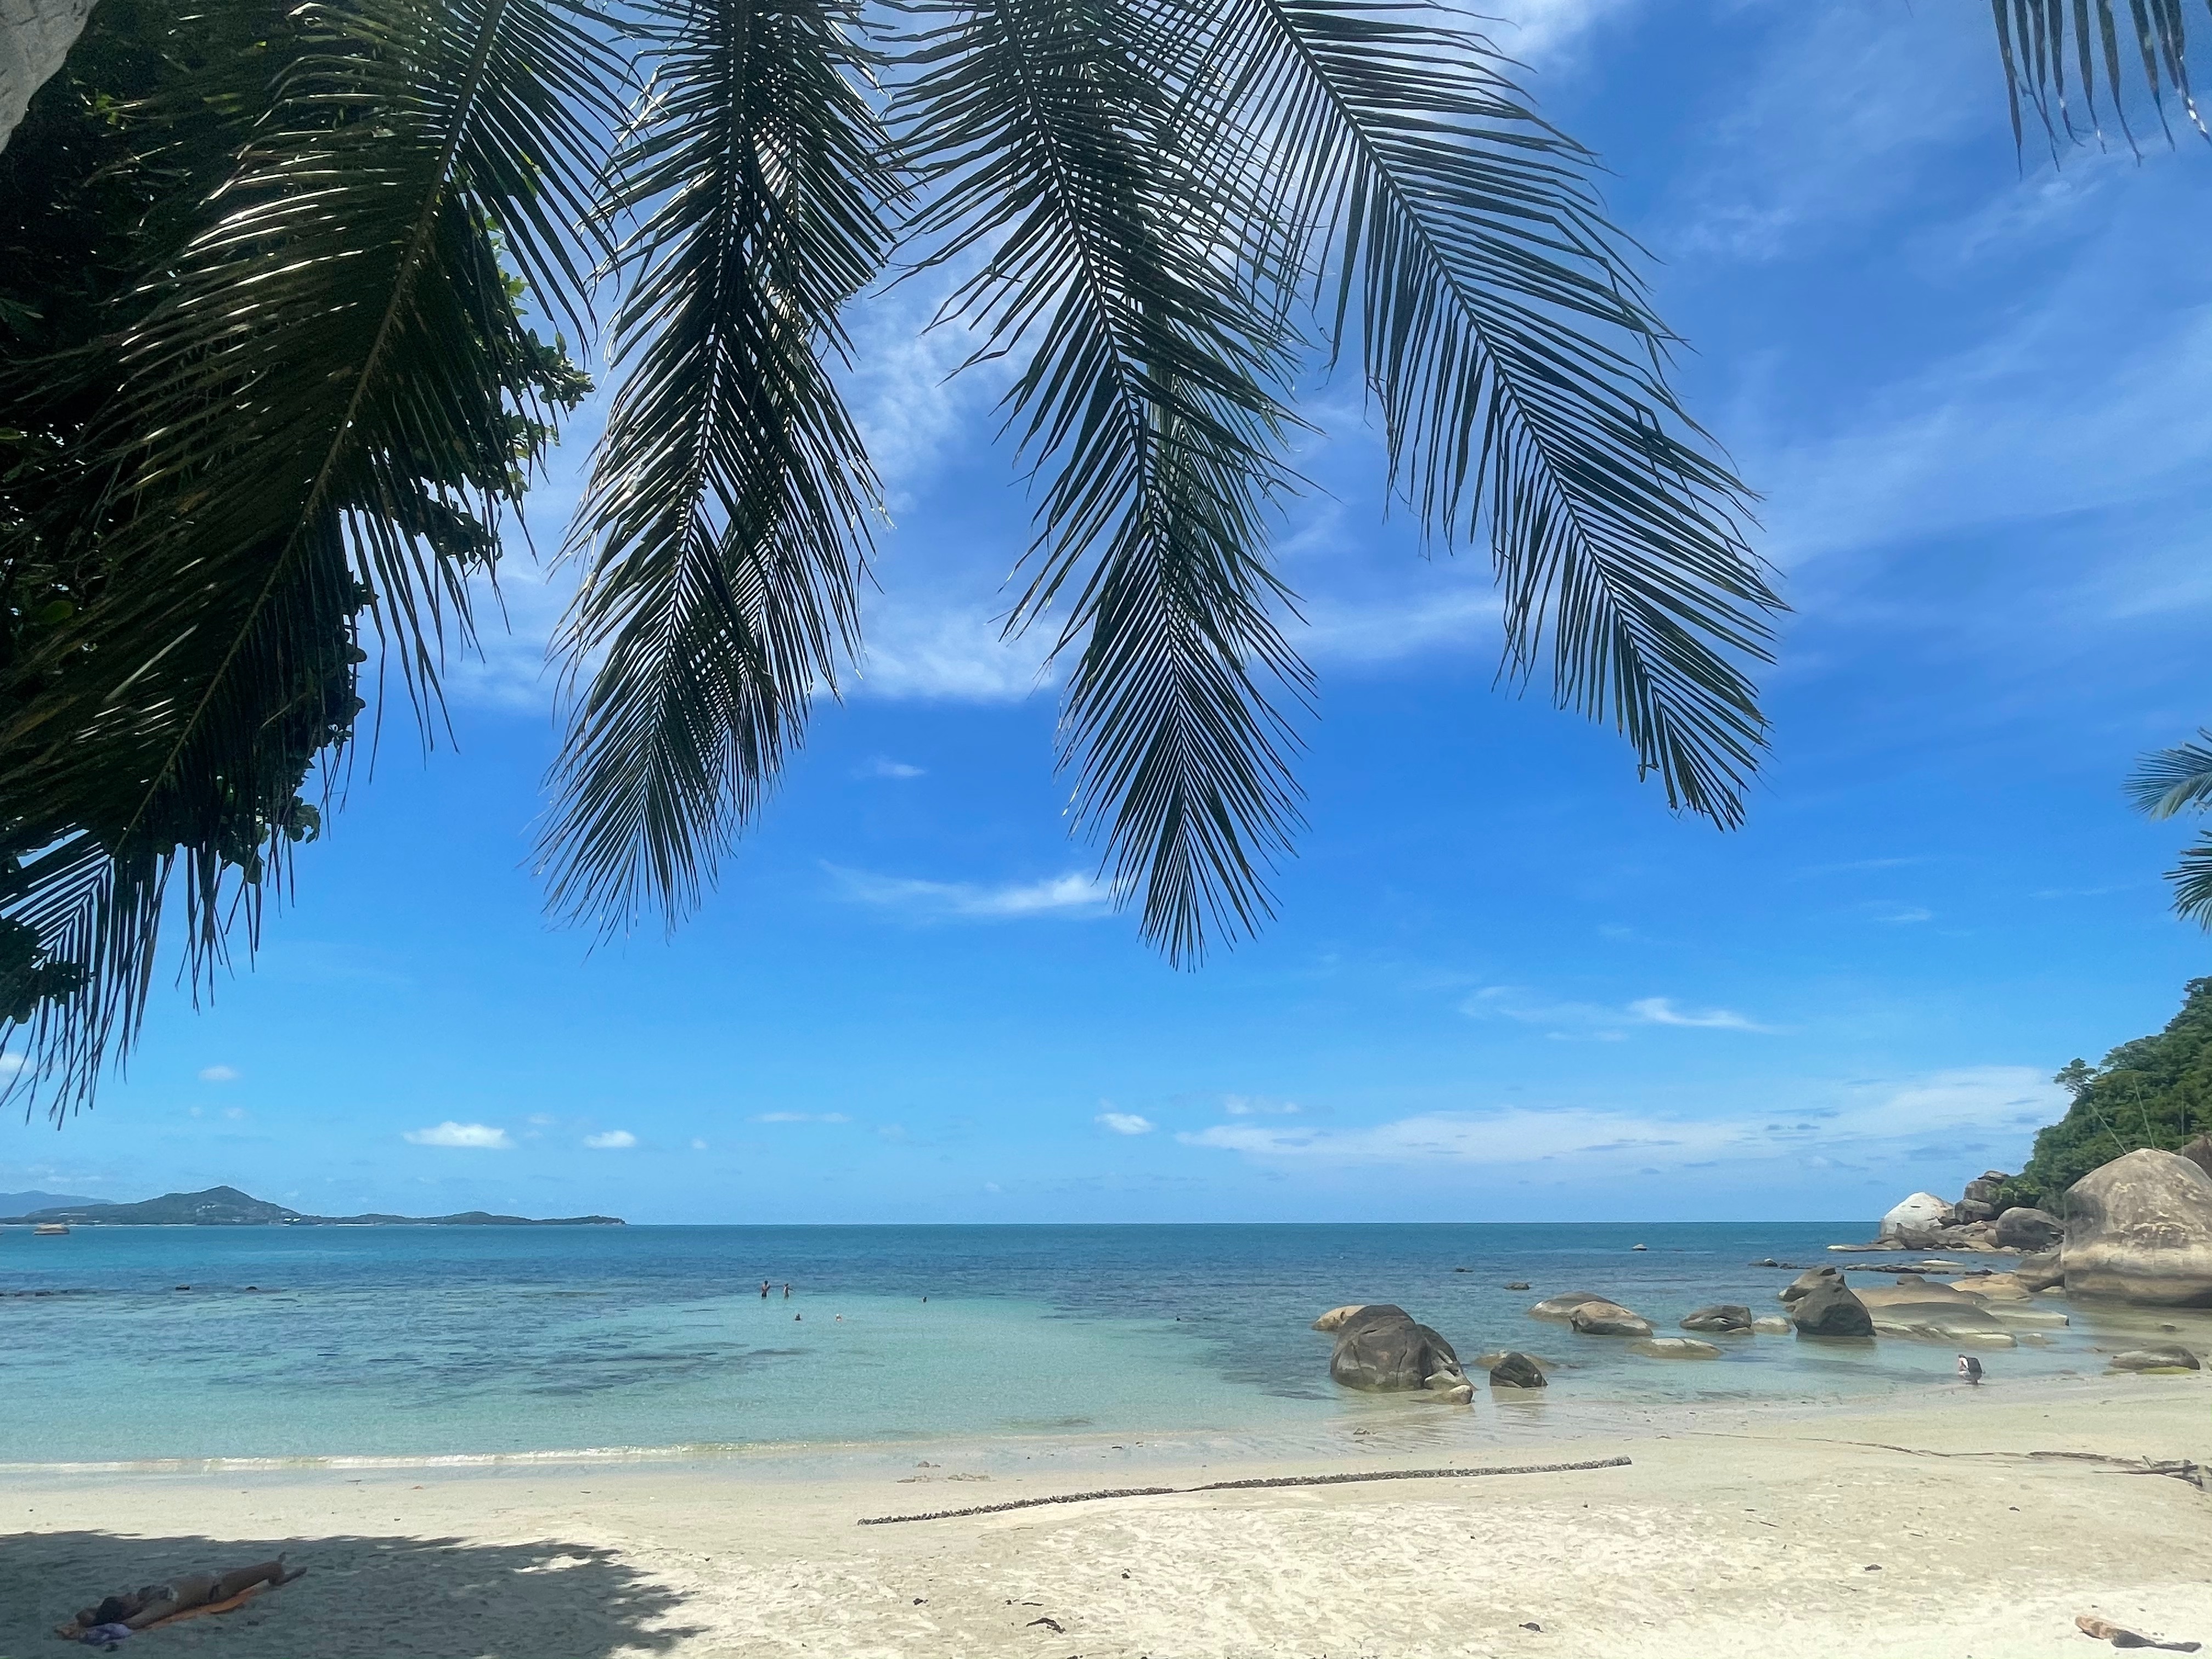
[(2154, 1091)]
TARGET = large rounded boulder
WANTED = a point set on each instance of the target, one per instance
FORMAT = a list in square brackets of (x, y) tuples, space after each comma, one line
[(2031, 1230), (2140, 1230), (1941, 1321), (1811, 1278), (1829, 1309), (1563, 1305), (1609, 1319), (1916, 1217), (1381, 1347), (1515, 1370)]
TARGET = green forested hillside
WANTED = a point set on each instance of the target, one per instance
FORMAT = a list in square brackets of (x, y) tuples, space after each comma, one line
[(2154, 1091)]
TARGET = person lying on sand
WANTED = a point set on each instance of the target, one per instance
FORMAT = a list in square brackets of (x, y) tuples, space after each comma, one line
[(151, 1603)]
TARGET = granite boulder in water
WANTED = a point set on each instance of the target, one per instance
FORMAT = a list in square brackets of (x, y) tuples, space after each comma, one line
[(1609, 1319), (1515, 1370), (1381, 1347), (1829, 1309), (1723, 1316), (2140, 1230)]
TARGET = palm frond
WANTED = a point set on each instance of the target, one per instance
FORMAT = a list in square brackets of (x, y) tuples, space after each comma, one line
[(1143, 392), (726, 517), (2192, 882), (332, 368), (2144, 58), (1517, 365), (2170, 781)]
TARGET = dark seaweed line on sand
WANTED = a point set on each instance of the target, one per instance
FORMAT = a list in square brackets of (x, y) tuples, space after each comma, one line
[(1248, 1486)]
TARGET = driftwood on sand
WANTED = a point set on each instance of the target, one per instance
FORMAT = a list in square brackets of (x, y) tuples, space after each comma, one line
[(1248, 1486)]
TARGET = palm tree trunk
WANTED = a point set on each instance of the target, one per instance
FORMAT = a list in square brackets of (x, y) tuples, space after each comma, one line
[(35, 36)]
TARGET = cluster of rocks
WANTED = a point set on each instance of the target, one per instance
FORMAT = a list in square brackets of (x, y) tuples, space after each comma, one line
[(1925, 1222), (2137, 1229)]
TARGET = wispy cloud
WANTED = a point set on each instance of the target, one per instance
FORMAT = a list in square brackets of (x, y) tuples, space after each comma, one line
[(1600, 1020), (1899, 915), (1248, 1106), (1836, 1123), (1662, 1011), (881, 767), (1075, 895), (611, 1141), (800, 1117), (1127, 1123), (218, 1074), (482, 1137)]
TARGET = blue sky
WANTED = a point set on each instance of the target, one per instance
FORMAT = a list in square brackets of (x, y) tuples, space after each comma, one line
[(1505, 983)]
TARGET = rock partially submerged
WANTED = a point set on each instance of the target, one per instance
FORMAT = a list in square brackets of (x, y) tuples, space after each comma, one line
[(1808, 1280), (1771, 1324), (1609, 1319), (1828, 1309), (2166, 1357), (1515, 1370), (1726, 1316), (1382, 1347), (1563, 1305), (2140, 1232), (1673, 1348), (1941, 1321)]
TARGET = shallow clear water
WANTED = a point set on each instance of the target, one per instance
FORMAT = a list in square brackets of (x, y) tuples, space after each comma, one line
[(403, 1342)]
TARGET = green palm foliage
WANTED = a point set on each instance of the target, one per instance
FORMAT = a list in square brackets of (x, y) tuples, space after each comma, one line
[(2074, 65), (1154, 217), (2164, 784)]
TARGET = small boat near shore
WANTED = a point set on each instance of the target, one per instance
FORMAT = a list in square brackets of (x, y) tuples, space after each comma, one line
[(49, 1229)]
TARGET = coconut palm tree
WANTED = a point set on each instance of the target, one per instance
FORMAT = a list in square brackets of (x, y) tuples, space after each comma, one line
[(304, 418)]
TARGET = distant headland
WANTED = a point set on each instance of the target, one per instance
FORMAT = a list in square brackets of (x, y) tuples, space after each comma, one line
[(227, 1206)]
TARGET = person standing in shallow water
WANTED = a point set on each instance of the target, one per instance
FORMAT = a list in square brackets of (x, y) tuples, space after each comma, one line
[(787, 1293), (763, 1289)]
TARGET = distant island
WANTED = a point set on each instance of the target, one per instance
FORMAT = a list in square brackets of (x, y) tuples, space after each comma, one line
[(227, 1206)]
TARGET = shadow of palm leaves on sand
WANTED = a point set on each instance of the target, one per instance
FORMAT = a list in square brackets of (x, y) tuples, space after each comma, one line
[(364, 1597)]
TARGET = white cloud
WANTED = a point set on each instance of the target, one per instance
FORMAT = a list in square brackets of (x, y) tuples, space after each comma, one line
[(218, 1074), (1839, 1122), (1898, 915), (611, 1140), (1127, 1123), (234, 1113), (1662, 1011), (1073, 894), (698, 1145), (800, 1117), (11, 1064), (483, 1136), (921, 648), (882, 768), (1245, 1106), (1595, 1020)]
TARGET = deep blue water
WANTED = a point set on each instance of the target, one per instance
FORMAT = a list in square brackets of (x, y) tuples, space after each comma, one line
[(402, 1341)]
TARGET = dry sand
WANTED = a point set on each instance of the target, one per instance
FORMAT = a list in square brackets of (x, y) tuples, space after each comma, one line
[(1946, 1530)]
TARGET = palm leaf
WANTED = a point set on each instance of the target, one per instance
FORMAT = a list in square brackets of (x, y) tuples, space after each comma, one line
[(329, 374), (1517, 364), (725, 519), (1142, 392), (2145, 57), (2170, 781)]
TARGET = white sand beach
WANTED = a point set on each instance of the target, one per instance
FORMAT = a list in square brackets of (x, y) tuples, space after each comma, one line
[(1976, 1525)]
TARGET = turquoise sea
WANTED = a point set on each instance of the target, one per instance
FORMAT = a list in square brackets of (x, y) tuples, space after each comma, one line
[(435, 1342)]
